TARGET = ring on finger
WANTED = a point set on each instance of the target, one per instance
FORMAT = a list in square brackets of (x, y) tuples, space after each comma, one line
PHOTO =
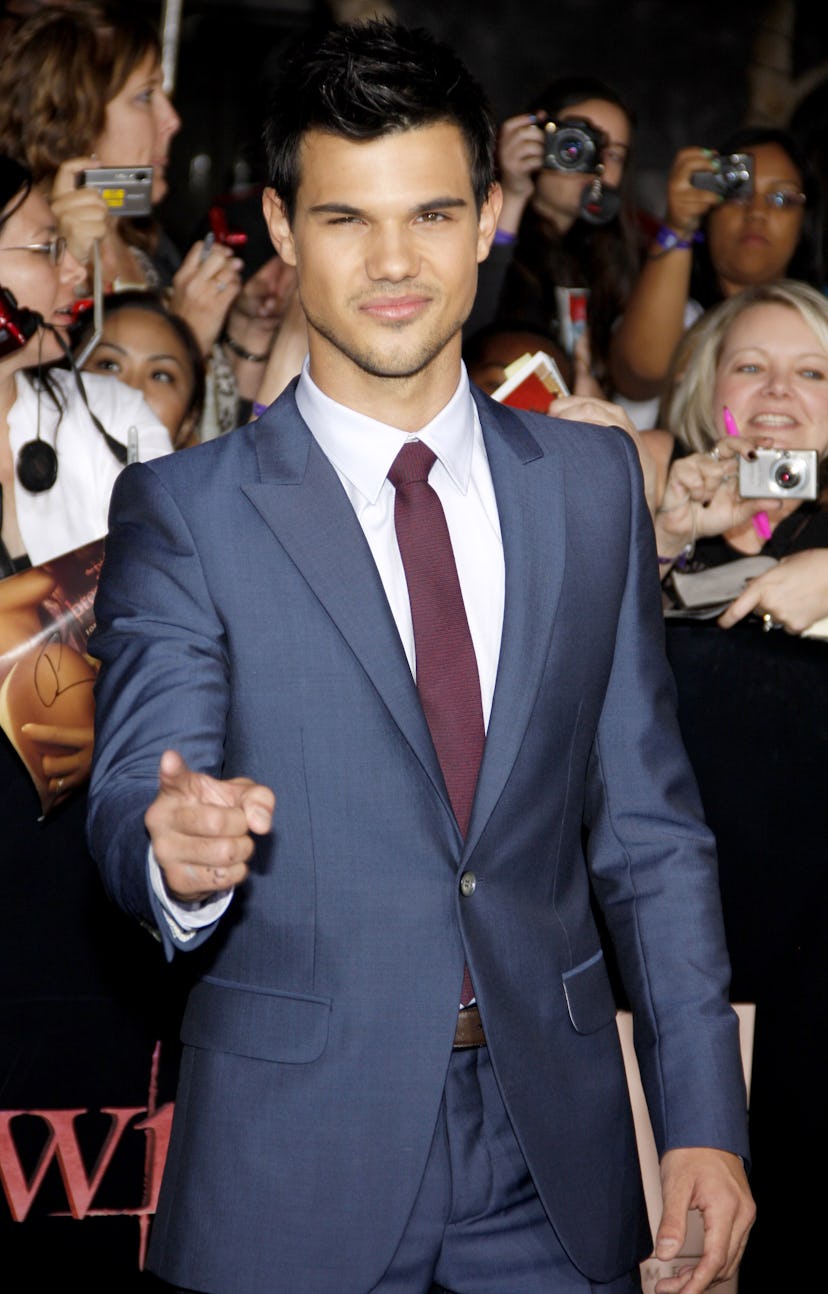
[(221, 285), (714, 453), (768, 623), (60, 782)]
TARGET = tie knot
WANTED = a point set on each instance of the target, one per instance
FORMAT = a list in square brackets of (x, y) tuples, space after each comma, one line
[(413, 463)]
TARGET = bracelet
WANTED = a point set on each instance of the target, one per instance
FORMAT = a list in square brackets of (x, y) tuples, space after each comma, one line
[(681, 559), (259, 409), (504, 238), (227, 340), (670, 241)]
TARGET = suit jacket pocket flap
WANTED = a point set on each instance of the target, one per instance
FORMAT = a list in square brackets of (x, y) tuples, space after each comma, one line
[(286, 1027), (589, 997)]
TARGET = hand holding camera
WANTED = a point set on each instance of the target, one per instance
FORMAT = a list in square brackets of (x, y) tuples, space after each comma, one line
[(731, 176), (519, 156), (701, 497), (81, 213), (126, 190), (688, 202)]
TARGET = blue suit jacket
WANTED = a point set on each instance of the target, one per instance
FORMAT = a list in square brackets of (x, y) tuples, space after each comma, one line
[(241, 620)]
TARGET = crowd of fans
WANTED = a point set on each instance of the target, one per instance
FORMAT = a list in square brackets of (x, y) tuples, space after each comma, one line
[(703, 333)]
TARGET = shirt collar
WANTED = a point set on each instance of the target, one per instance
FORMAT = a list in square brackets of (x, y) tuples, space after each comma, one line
[(362, 449)]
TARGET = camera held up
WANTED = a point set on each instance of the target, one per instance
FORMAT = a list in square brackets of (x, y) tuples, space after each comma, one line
[(732, 176), (573, 145), (780, 474)]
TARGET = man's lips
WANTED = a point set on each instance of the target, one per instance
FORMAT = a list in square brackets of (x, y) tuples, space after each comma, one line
[(395, 309)]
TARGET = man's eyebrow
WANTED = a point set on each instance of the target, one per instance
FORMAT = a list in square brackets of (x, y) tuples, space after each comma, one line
[(345, 209)]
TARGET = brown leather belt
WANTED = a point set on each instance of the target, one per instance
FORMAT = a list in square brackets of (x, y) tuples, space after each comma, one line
[(469, 1031)]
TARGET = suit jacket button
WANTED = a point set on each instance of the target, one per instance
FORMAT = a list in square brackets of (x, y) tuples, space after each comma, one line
[(468, 884)]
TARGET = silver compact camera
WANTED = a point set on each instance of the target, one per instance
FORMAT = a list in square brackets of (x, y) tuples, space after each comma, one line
[(126, 190), (780, 474), (574, 145)]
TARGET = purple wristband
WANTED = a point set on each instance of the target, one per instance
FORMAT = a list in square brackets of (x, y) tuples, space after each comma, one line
[(503, 238), (670, 240), (258, 409)]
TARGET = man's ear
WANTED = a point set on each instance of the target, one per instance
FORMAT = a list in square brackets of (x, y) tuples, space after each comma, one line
[(487, 221), (278, 226)]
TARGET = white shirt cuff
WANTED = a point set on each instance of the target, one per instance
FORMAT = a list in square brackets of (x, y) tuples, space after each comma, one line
[(184, 919)]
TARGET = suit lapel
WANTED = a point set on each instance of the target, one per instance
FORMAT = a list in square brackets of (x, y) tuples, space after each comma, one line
[(301, 499), (531, 509)]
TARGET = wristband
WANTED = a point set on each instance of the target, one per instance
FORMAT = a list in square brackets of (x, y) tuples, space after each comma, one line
[(258, 409), (671, 241), (681, 559), (503, 238)]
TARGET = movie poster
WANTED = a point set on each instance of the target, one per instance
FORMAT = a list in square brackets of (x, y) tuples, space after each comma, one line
[(46, 673)]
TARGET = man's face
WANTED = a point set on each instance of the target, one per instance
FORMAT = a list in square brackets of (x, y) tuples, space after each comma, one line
[(386, 239)]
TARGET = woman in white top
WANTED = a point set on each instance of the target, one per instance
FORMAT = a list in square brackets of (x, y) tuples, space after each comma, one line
[(42, 406)]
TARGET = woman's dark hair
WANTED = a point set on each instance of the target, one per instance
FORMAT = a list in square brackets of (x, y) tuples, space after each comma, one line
[(369, 79), (152, 303), (806, 263)]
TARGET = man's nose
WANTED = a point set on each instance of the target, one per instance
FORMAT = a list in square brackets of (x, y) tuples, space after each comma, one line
[(392, 254)]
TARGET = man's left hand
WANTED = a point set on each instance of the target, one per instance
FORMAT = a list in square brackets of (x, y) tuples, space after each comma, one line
[(715, 1183)]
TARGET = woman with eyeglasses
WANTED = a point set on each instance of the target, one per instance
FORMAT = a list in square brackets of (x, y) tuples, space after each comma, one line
[(712, 245), (57, 465)]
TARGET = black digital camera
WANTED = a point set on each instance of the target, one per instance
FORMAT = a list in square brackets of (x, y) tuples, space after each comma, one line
[(17, 324), (573, 145), (732, 176)]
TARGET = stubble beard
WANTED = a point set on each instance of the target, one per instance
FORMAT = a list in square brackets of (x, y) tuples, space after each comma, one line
[(403, 364)]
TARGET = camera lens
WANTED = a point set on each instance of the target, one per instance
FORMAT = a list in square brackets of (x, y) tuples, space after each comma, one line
[(787, 475), (573, 150)]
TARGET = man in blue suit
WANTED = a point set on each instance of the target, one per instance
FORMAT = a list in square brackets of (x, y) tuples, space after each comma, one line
[(352, 1115)]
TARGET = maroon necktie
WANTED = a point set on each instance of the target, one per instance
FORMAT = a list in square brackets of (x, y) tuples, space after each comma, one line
[(447, 678)]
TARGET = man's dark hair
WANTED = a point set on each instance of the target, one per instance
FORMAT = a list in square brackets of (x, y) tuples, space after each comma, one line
[(370, 79)]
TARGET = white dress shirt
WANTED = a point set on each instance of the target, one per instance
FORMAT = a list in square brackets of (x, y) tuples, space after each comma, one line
[(361, 451)]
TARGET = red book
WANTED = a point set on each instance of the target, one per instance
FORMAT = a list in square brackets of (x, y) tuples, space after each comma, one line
[(532, 383)]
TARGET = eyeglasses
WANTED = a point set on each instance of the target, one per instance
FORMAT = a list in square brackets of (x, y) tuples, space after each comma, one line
[(55, 250), (779, 200)]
